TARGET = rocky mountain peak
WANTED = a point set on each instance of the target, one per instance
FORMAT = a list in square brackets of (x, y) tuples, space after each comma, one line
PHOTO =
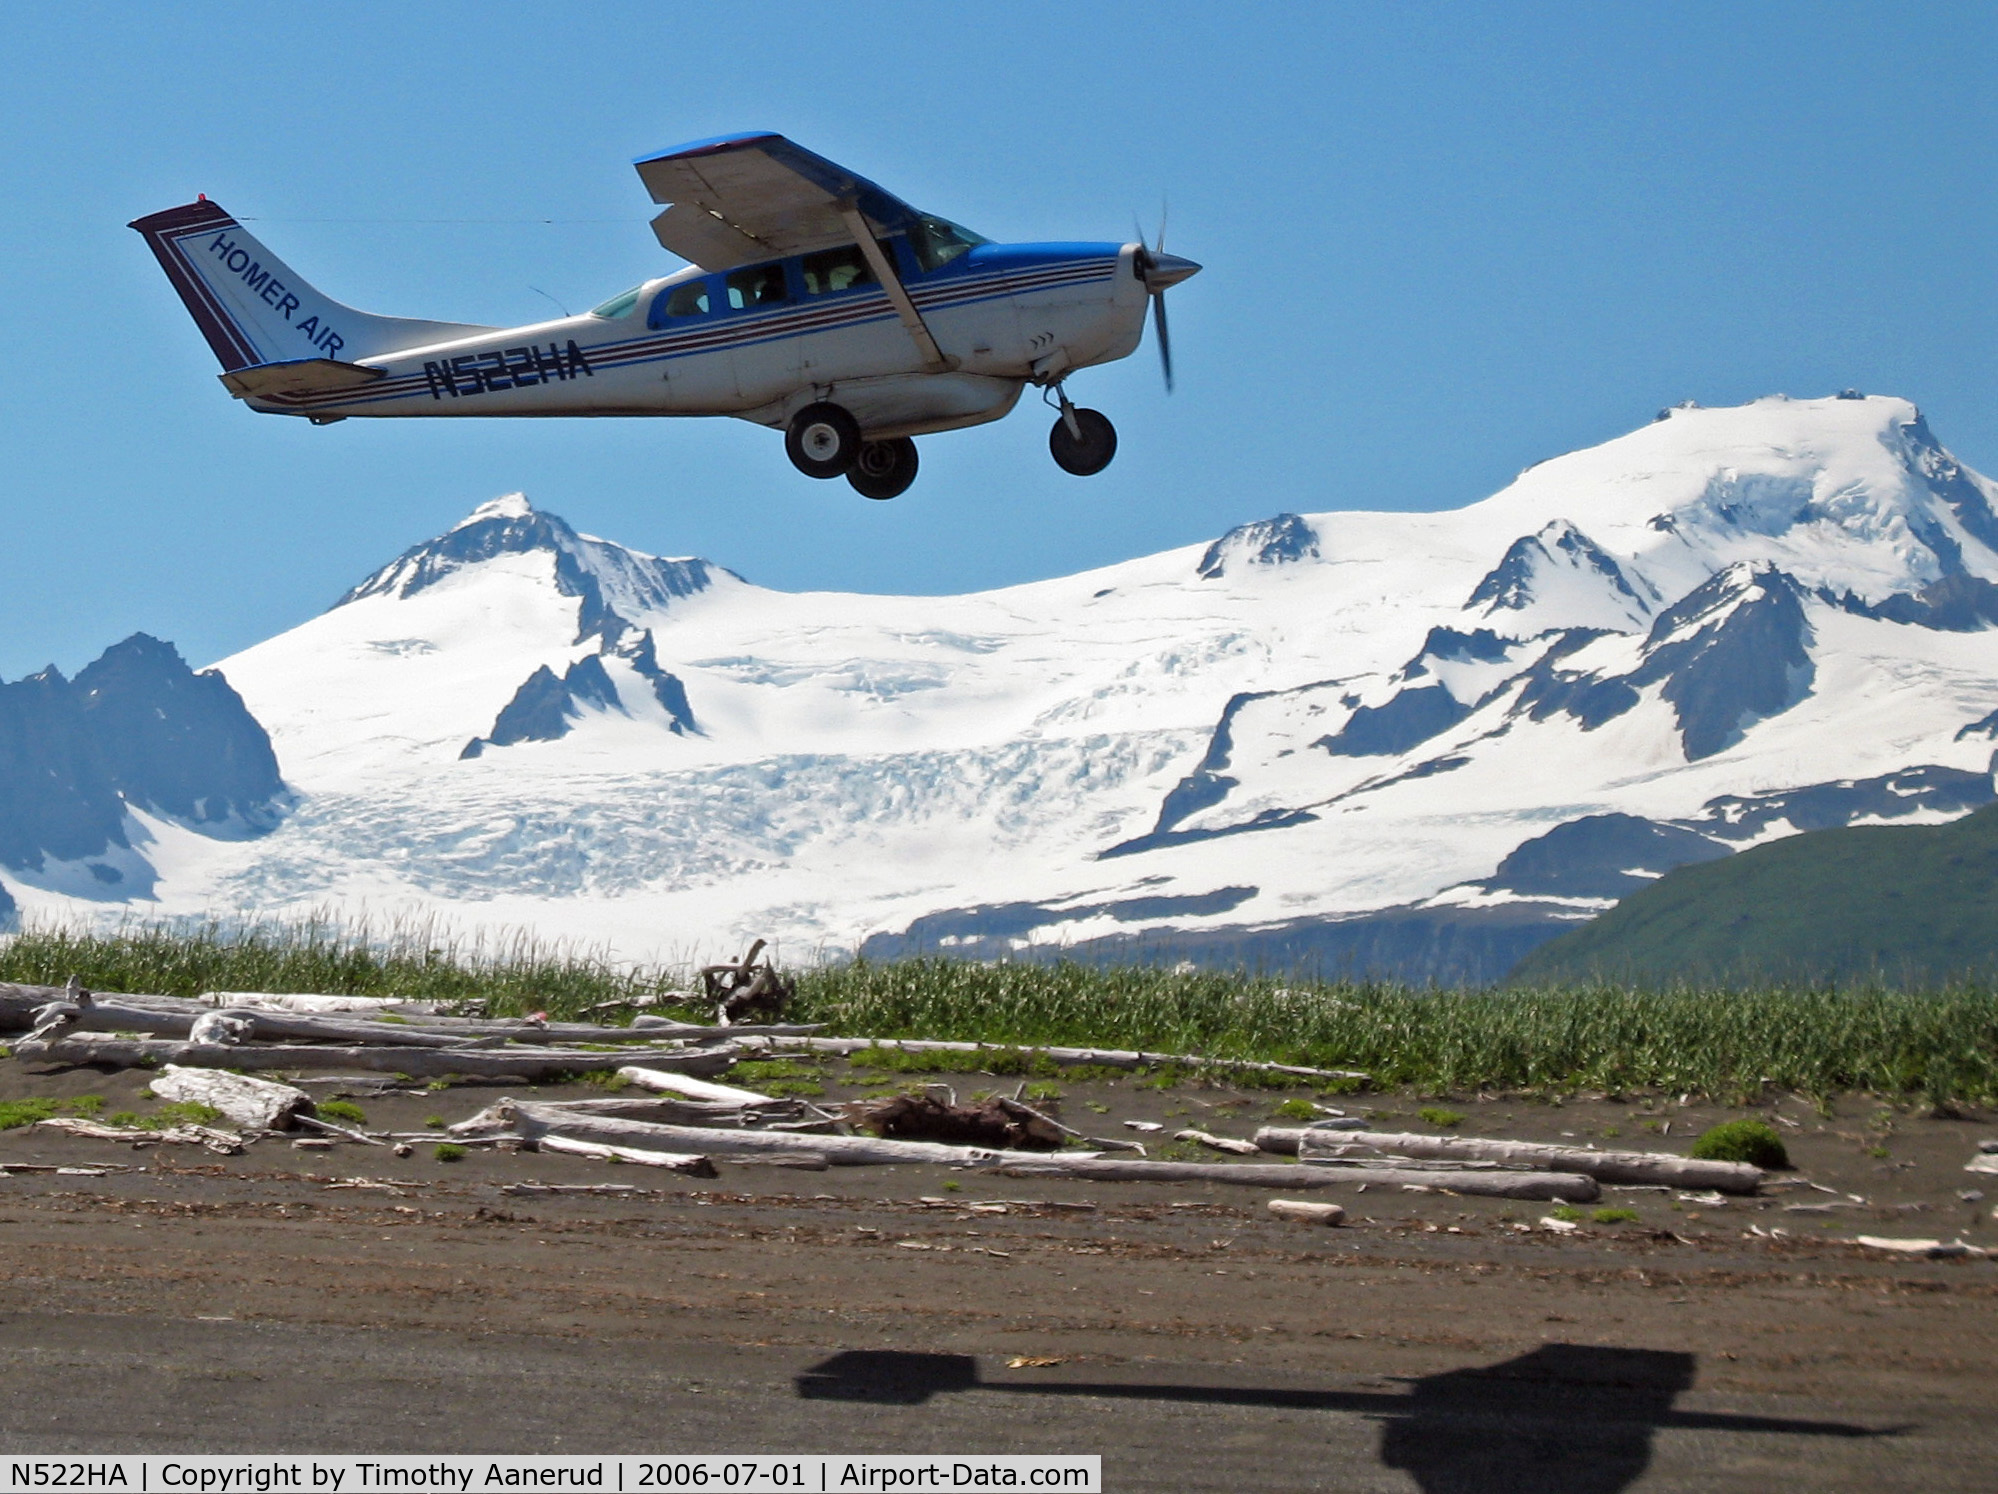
[(615, 585)]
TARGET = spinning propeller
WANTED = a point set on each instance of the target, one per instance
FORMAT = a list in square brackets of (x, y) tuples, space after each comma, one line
[(1161, 271)]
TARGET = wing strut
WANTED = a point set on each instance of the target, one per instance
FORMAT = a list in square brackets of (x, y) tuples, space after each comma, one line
[(933, 358)]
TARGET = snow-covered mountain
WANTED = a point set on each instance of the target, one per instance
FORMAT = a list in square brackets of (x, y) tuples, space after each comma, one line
[(1407, 742)]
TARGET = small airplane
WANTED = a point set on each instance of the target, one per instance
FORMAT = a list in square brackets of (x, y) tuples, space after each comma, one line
[(815, 303)]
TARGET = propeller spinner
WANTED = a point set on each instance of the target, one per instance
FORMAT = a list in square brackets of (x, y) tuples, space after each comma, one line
[(1161, 271)]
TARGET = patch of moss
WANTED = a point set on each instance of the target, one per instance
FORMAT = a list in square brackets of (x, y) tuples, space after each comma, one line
[(1751, 1141)]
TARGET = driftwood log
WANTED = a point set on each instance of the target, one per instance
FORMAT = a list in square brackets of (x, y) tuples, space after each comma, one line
[(1109, 1058), (533, 1121), (1218, 1143), (1607, 1167), (1571, 1187), (685, 1163), (666, 1110), (174, 1016), (746, 988), (253, 1104), (1306, 1212), (684, 1084), (420, 1063), (227, 1143)]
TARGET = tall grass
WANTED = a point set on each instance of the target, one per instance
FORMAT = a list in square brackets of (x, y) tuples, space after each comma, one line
[(1940, 1044), (417, 961)]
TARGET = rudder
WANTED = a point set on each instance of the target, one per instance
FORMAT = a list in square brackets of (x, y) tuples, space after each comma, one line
[(254, 309)]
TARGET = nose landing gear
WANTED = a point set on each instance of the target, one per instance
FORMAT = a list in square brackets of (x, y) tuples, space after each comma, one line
[(1082, 441)]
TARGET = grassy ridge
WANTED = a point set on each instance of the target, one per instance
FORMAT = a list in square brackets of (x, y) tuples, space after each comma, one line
[(1940, 1044), (1902, 904)]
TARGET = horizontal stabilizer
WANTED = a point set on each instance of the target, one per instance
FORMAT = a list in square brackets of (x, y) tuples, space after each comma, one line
[(274, 381)]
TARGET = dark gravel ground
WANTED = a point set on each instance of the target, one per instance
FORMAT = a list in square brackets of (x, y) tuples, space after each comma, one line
[(265, 1303)]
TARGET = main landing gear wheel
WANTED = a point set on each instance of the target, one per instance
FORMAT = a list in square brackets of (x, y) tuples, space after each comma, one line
[(884, 469), (822, 441), (1088, 453)]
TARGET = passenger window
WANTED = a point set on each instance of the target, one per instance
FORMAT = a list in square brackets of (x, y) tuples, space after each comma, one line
[(762, 285), (690, 299), (835, 270)]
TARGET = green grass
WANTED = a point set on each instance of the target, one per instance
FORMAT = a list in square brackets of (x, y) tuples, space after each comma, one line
[(1295, 1110), (416, 962), (1750, 1141), (15, 1113), (1937, 1045), (448, 1151), (342, 1110), (181, 1113), (1437, 1116), (1614, 1216), (1566, 1213)]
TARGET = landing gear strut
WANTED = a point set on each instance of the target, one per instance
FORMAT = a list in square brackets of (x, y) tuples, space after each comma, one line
[(1082, 441), (884, 469)]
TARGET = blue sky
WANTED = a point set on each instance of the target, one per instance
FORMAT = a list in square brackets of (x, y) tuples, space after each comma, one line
[(1442, 242)]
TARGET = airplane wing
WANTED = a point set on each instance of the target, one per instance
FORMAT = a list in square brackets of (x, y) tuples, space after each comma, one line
[(737, 199)]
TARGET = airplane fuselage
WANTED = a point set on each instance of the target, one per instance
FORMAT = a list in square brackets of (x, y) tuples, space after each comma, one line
[(763, 341)]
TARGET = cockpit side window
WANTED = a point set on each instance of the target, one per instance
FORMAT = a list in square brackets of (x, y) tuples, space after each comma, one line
[(687, 299), (618, 306), (835, 270), (759, 285), (938, 241)]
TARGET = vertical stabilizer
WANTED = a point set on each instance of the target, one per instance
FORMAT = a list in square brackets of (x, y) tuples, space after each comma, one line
[(254, 308)]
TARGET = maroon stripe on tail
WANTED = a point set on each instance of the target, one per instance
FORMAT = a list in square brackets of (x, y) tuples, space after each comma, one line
[(161, 232)]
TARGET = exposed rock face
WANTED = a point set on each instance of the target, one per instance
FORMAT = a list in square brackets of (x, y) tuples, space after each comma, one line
[(1274, 541), (613, 583), (1537, 563), (56, 797), (1601, 855), (544, 707), (179, 743), (137, 728)]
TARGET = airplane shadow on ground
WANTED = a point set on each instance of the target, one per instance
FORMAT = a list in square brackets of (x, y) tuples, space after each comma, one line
[(1573, 1417)]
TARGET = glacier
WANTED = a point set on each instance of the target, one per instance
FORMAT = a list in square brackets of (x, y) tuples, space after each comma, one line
[(1397, 743)]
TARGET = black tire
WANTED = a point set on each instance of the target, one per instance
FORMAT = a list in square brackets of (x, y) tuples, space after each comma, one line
[(1090, 455), (884, 469), (822, 441)]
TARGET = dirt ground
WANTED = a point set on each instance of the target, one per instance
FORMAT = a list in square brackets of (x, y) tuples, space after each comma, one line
[(348, 1300)]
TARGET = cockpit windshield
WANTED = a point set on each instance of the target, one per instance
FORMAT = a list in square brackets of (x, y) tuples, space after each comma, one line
[(938, 241), (618, 306)]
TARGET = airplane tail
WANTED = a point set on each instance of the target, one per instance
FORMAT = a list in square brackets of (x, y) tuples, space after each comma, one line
[(254, 309)]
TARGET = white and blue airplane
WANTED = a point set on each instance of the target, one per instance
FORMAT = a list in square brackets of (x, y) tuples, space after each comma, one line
[(814, 303)]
